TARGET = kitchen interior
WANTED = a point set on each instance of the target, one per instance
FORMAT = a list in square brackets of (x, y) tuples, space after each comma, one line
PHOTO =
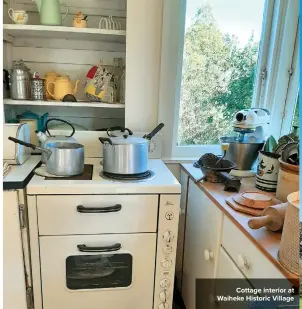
[(96, 209)]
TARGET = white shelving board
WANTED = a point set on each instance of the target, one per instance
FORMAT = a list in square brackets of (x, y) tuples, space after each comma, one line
[(59, 32), (62, 104)]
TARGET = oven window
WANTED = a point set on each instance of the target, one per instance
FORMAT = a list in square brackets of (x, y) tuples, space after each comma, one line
[(98, 271)]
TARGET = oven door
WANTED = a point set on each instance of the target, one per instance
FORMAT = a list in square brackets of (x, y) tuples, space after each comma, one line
[(113, 271)]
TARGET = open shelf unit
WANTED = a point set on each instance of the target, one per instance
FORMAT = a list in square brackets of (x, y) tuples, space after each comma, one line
[(11, 31), (62, 104)]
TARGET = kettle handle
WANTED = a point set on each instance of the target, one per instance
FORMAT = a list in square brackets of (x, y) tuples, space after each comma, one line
[(61, 120), (67, 9)]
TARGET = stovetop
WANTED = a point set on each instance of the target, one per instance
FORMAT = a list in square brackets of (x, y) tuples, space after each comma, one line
[(161, 181)]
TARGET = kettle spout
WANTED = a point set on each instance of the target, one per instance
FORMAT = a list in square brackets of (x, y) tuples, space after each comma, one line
[(75, 89), (39, 4)]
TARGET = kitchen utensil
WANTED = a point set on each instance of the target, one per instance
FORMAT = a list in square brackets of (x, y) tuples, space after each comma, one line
[(63, 158), (49, 140), (19, 17), (288, 180), (250, 211), (37, 88), (41, 120), (289, 246), (252, 199), (62, 87), (20, 81), (218, 174), (80, 21), (50, 12), (15, 154), (272, 218), (127, 154), (50, 77), (244, 153), (109, 23), (6, 88), (69, 98), (267, 171)]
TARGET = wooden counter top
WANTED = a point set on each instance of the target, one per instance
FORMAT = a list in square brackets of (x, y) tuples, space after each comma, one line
[(266, 241)]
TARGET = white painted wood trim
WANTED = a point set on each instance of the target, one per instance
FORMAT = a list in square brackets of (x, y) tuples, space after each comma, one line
[(35, 250), (59, 103), (59, 32)]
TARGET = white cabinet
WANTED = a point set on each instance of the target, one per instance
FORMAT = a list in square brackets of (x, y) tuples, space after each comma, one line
[(14, 286), (202, 241)]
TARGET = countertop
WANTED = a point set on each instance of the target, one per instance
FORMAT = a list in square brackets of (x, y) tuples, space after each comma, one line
[(266, 241), (20, 175)]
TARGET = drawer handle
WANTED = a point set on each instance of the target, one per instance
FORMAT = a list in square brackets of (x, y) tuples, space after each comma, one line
[(242, 261), (84, 248), (208, 255), (99, 210)]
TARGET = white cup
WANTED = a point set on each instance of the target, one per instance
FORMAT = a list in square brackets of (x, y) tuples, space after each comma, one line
[(18, 16)]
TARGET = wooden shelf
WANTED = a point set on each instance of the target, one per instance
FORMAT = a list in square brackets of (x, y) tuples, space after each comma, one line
[(59, 32), (62, 104)]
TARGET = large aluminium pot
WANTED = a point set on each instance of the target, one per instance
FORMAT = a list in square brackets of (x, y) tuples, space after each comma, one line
[(63, 158), (126, 154), (244, 153)]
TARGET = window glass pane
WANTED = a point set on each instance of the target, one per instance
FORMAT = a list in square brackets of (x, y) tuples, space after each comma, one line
[(98, 271), (219, 62)]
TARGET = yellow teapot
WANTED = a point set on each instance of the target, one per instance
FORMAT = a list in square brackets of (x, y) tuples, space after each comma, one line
[(62, 86)]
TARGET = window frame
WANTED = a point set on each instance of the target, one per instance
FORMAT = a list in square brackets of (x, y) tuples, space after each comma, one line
[(277, 14)]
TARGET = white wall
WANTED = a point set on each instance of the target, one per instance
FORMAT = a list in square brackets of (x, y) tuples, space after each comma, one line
[(143, 49)]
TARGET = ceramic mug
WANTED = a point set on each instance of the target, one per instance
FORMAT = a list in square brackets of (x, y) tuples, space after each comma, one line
[(18, 16), (267, 171)]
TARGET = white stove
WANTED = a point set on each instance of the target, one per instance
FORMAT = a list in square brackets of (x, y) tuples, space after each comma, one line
[(104, 241)]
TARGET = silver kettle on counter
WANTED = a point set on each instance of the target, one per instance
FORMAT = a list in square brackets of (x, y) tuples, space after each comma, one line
[(20, 81), (47, 140)]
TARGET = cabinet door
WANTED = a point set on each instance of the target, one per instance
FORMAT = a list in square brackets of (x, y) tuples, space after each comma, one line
[(14, 288), (184, 179), (202, 239)]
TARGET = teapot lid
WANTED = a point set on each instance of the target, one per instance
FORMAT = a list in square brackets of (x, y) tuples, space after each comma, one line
[(20, 65), (63, 78), (52, 73), (79, 15)]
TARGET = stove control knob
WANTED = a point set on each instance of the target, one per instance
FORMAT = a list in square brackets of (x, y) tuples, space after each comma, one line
[(168, 236), (166, 263), (167, 249), (165, 283), (163, 306), (163, 295)]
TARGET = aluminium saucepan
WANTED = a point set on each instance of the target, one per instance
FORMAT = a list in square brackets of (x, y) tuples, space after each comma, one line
[(126, 154), (63, 158)]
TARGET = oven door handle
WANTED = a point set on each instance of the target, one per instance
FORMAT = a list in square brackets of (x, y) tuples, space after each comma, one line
[(115, 247), (99, 210)]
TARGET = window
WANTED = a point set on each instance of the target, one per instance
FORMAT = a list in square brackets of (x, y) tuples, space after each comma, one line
[(217, 57), (219, 63)]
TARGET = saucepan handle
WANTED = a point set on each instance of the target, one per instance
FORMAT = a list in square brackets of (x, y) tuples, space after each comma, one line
[(154, 132), (103, 140), (115, 247), (17, 141)]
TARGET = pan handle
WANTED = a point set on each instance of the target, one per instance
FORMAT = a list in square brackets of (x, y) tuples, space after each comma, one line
[(110, 134), (105, 139), (32, 146), (154, 132)]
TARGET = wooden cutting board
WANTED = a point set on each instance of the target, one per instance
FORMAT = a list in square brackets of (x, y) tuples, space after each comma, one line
[(250, 211), (257, 200)]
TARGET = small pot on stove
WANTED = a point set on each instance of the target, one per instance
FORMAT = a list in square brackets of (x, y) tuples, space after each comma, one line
[(126, 154)]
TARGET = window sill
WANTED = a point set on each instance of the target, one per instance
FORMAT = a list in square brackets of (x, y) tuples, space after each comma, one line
[(179, 160)]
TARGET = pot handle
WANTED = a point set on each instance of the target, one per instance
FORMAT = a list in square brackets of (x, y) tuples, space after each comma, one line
[(117, 128), (60, 120), (105, 139), (153, 132)]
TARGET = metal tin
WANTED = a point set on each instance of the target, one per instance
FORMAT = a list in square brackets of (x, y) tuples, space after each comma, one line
[(20, 82), (37, 88)]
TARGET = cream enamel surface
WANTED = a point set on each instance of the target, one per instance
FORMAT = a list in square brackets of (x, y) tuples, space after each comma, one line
[(163, 182)]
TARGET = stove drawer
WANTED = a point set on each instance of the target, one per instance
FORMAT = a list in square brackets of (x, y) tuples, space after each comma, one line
[(96, 214)]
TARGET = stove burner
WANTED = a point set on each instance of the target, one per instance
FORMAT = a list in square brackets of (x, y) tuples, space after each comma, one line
[(128, 177)]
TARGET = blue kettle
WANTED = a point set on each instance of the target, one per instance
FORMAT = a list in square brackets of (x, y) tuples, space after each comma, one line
[(41, 120)]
